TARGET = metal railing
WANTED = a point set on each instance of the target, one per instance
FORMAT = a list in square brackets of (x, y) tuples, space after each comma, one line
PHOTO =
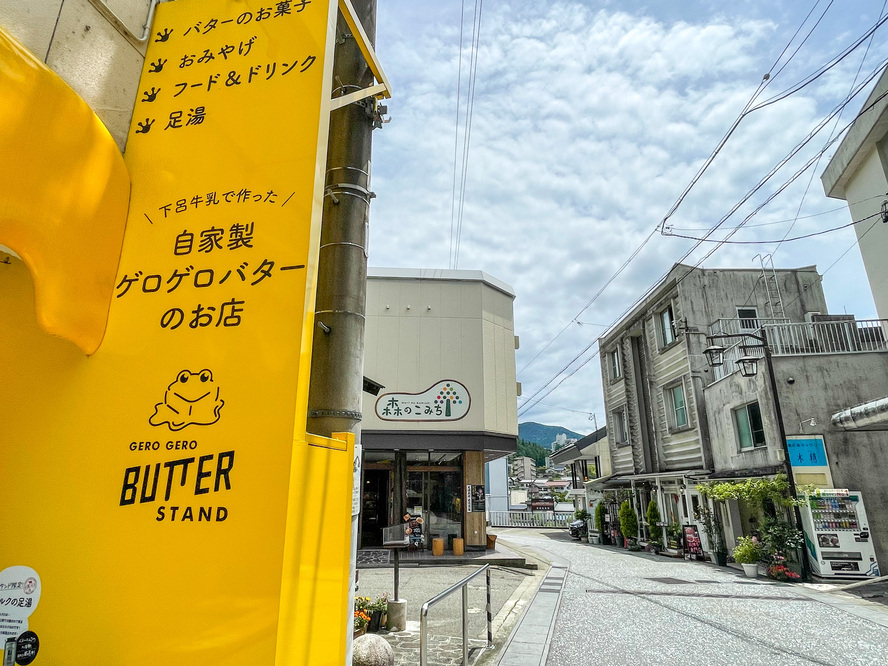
[(846, 336), (531, 518), (828, 337), (738, 326), (424, 614)]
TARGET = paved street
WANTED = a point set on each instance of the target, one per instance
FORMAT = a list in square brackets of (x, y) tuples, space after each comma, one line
[(617, 607)]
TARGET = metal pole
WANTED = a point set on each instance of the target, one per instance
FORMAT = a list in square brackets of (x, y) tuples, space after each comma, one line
[(465, 624), (489, 614), (397, 572), (423, 634), (787, 463)]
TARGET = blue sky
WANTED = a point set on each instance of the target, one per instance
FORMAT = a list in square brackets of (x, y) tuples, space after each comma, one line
[(589, 120)]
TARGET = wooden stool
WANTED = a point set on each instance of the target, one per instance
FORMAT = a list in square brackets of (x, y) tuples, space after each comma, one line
[(458, 547), (437, 547)]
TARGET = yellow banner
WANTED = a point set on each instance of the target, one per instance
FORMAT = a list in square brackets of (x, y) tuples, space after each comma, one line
[(144, 489)]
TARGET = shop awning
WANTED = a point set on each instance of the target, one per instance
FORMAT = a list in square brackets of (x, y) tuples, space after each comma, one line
[(605, 483), (681, 474)]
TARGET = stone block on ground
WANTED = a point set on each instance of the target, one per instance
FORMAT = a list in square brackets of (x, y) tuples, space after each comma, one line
[(372, 650)]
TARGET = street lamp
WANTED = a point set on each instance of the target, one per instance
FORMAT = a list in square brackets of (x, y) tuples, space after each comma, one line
[(748, 366), (715, 355)]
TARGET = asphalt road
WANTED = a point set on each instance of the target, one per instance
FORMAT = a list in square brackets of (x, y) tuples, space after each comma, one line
[(637, 608)]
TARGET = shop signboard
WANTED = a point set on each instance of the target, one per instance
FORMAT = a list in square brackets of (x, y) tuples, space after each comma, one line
[(476, 501), (155, 477), (445, 400), (693, 544)]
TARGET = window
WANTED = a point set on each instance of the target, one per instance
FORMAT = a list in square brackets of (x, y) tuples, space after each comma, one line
[(678, 410), (613, 364), (748, 318), (750, 430), (621, 432), (667, 329)]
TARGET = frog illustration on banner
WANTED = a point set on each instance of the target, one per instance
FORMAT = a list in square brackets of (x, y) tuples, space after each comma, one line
[(192, 399)]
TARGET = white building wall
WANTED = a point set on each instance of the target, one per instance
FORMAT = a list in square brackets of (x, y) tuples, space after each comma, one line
[(867, 182), (496, 473), (424, 327)]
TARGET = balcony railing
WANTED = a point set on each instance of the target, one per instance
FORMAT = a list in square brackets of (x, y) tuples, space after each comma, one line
[(798, 339), (828, 337), (738, 326)]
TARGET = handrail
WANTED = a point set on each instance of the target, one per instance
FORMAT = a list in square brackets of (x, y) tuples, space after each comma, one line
[(424, 613)]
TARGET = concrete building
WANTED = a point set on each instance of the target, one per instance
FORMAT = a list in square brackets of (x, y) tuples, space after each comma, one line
[(654, 372), (442, 344), (675, 421), (524, 468)]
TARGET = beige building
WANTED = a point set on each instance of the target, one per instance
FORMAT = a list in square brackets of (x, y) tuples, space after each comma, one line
[(442, 344)]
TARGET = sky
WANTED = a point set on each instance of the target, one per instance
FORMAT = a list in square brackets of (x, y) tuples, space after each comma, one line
[(588, 121)]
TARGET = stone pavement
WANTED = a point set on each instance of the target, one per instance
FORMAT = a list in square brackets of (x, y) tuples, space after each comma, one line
[(511, 589)]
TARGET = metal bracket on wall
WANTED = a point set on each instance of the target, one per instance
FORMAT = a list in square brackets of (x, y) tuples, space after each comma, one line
[(382, 89), (120, 26)]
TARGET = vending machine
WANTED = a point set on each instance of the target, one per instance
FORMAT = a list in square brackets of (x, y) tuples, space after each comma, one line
[(837, 535)]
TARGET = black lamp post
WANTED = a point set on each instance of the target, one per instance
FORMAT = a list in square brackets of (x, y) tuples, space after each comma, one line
[(748, 366)]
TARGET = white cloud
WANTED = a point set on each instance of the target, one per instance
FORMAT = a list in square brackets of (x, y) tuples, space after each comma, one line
[(587, 125)]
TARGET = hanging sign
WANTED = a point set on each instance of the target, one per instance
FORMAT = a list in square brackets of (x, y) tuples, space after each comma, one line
[(446, 400), (154, 476)]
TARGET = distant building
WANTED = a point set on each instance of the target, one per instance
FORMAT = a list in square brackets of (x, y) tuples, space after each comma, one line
[(524, 468), (585, 460)]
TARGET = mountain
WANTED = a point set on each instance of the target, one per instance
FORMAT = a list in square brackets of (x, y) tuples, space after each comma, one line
[(543, 435)]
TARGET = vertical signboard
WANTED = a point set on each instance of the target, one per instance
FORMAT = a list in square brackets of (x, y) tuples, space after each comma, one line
[(145, 488)]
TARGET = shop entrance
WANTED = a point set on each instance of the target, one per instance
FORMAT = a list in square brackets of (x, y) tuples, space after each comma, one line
[(435, 492), (374, 506)]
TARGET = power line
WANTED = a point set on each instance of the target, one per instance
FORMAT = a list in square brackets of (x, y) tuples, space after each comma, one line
[(784, 240), (747, 110)]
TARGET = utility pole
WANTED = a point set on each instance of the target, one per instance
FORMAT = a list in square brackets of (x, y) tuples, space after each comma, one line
[(334, 400), (337, 366)]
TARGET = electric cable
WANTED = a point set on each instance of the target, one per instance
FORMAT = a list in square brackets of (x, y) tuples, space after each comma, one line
[(456, 130)]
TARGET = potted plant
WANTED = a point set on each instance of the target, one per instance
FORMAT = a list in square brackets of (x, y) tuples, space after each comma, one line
[(674, 534), (361, 622), (377, 610), (653, 521), (712, 526), (747, 553), (628, 524)]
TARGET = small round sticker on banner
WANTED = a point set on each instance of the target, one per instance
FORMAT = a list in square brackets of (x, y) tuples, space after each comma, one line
[(26, 648)]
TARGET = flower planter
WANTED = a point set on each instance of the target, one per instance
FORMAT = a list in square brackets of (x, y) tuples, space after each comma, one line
[(376, 621), (720, 557), (751, 570), (359, 632)]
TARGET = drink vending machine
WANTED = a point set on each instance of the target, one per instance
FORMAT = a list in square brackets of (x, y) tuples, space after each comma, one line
[(837, 535)]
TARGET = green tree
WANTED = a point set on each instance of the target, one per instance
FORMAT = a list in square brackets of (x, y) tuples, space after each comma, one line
[(532, 450), (653, 517), (628, 520)]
